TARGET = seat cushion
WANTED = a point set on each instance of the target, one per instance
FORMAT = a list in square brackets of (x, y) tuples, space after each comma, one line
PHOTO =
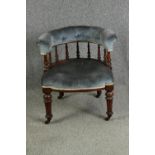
[(76, 74)]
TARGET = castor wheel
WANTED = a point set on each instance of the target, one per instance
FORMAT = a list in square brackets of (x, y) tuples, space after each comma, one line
[(108, 116), (48, 119)]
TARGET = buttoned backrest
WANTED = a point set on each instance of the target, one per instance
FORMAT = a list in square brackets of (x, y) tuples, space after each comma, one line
[(48, 41)]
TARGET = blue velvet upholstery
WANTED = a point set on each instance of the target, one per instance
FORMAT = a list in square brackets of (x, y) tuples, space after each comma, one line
[(98, 35), (78, 74)]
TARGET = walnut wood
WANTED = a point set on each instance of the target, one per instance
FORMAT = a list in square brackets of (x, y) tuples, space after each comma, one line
[(67, 54), (105, 56), (47, 91), (46, 63), (59, 62), (77, 52), (56, 54), (61, 94), (89, 54), (109, 59), (99, 53), (49, 55), (109, 99), (98, 93), (48, 104), (50, 60), (48, 99)]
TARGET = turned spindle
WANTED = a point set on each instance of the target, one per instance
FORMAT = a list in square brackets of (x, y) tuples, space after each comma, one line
[(46, 63), (78, 51), (107, 58), (66, 50), (89, 54), (99, 53), (56, 54)]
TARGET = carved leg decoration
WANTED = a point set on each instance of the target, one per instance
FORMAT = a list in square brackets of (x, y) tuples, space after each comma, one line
[(48, 106), (98, 93), (61, 94), (107, 58), (109, 98)]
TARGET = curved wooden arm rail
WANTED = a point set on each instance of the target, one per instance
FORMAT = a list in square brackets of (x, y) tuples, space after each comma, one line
[(77, 74)]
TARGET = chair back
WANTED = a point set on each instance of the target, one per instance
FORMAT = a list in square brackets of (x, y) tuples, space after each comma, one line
[(49, 42)]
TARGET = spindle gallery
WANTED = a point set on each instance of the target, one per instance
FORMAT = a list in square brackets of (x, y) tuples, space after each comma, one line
[(77, 74)]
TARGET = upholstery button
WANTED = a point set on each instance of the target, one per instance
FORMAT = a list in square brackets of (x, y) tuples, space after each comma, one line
[(77, 35), (63, 38)]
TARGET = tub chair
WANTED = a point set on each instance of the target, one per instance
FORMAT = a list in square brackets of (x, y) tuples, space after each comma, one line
[(77, 74)]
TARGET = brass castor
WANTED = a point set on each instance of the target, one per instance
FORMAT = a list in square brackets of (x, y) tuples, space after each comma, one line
[(48, 119), (108, 116)]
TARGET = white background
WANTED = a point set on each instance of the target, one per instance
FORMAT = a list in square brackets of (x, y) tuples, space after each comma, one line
[(142, 76), (13, 77)]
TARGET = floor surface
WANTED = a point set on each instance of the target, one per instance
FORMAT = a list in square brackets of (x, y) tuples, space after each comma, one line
[(78, 126)]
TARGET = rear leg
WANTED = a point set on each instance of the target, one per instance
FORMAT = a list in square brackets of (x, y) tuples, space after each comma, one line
[(61, 94), (99, 92)]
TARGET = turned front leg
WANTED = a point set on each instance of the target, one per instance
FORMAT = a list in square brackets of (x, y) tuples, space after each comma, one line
[(109, 99), (48, 104)]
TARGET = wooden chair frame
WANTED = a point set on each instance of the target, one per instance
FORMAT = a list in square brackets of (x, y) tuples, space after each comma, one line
[(49, 65)]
